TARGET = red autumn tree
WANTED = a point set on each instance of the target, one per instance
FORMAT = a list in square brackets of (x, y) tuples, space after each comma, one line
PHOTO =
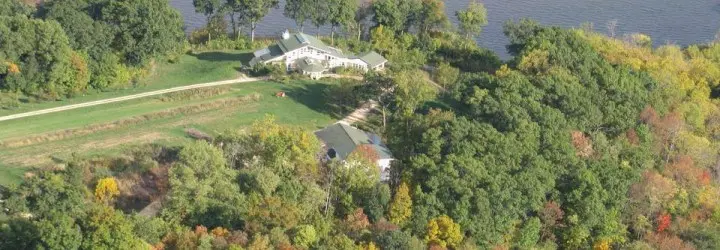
[(551, 216), (663, 222)]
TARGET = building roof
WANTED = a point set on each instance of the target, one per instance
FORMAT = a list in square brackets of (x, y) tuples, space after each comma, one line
[(310, 65), (344, 139), (372, 58), (269, 53), (299, 40)]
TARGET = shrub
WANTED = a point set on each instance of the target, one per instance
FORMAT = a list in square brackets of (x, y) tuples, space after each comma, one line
[(273, 70), (348, 71), (9, 100)]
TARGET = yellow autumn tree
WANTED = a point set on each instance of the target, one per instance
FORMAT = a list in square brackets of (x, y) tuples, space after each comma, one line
[(401, 206), (369, 246), (106, 189), (602, 245), (12, 68), (443, 231)]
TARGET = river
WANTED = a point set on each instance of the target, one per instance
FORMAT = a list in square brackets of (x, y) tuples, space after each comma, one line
[(679, 22)]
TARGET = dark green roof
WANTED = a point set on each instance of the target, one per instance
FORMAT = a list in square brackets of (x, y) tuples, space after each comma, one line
[(344, 139), (271, 52), (373, 59)]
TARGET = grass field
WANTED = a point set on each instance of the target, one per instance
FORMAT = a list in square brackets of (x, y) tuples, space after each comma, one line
[(111, 129), (192, 68)]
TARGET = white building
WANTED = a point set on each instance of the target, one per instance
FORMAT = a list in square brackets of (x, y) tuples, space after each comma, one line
[(311, 56)]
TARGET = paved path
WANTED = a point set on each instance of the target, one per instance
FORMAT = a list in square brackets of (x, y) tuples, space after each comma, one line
[(129, 97)]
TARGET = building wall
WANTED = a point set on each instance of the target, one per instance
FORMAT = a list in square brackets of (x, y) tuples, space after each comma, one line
[(332, 61), (384, 165)]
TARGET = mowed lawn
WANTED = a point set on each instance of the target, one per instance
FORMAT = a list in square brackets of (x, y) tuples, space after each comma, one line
[(45, 140), (192, 68)]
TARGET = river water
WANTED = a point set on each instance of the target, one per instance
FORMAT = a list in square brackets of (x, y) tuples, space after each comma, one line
[(680, 22)]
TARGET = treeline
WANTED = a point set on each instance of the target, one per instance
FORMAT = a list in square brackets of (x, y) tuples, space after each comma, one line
[(579, 141), (62, 48)]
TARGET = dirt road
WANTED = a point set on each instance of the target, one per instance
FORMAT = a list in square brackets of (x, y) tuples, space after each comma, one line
[(129, 97), (360, 114)]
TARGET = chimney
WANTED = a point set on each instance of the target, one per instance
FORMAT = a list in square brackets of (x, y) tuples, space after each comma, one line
[(286, 34)]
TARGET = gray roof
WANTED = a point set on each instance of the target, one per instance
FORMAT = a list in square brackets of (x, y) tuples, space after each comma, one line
[(299, 40), (310, 65), (372, 58), (271, 52), (344, 139)]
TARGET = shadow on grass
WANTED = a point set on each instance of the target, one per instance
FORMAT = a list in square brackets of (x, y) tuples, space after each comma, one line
[(314, 96), (220, 56)]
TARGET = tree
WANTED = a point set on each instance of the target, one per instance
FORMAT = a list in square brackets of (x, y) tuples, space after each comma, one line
[(108, 229), (203, 189), (401, 206), (341, 13), (254, 11), (14, 7), (106, 190), (41, 53), (143, 29), (299, 10), (209, 8), (446, 75), (473, 19), (529, 234), (411, 91), (59, 231), (444, 232), (305, 236), (432, 16), (397, 15), (321, 13)]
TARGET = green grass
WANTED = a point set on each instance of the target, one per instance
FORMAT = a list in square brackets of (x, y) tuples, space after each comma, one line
[(305, 106), (192, 69), (11, 175)]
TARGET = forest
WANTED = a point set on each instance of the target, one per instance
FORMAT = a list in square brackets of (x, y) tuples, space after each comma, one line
[(581, 140)]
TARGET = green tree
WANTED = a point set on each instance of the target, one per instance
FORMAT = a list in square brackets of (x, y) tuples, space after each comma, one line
[(18, 233), (14, 7), (106, 228), (305, 236), (203, 189), (209, 8), (41, 54), (299, 10), (432, 16), (254, 11), (143, 29), (529, 234), (411, 91), (446, 75), (59, 231), (401, 206), (473, 19), (396, 15), (341, 13)]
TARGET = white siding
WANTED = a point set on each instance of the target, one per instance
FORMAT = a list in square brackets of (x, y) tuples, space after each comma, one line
[(384, 165), (331, 60)]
